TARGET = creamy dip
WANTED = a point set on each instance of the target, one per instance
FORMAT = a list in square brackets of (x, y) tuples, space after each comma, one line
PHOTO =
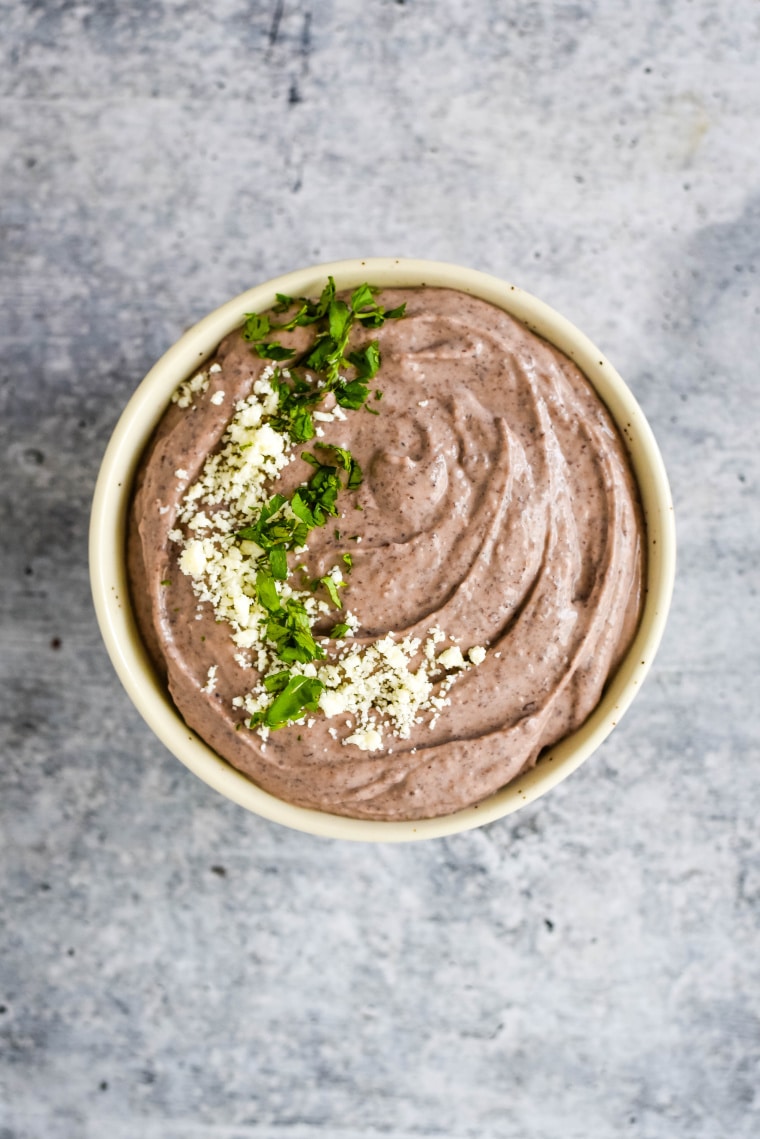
[(497, 535)]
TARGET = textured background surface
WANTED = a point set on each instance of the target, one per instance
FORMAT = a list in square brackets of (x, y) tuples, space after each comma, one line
[(175, 968)]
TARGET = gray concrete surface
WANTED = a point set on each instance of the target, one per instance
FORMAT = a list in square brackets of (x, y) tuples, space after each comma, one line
[(175, 968)]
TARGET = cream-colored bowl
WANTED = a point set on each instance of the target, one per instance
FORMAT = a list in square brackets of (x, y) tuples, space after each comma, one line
[(109, 514)]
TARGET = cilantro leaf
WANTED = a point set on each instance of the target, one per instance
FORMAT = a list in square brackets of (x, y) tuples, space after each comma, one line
[(362, 297), (277, 681), (273, 529), (256, 326), (355, 476), (255, 532), (301, 509), (301, 425), (366, 361), (353, 395), (320, 494), (300, 694), (343, 457), (278, 562), (273, 350), (328, 295), (294, 404), (318, 358), (339, 630), (266, 591), (339, 316), (332, 588)]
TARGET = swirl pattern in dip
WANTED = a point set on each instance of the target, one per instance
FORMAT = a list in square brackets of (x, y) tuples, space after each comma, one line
[(498, 511)]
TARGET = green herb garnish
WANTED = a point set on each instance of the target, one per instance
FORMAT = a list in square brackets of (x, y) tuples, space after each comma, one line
[(329, 351), (284, 525), (290, 630), (300, 694), (256, 326), (274, 351), (332, 586), (277, 681)]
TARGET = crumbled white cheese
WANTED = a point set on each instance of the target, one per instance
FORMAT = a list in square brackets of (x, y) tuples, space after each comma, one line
[(192, 560), (183, 396), (217, 398), (451, 658), (367, 739), (333, 703), (215, 368), (210, 684), (477, 654), (180, 473)]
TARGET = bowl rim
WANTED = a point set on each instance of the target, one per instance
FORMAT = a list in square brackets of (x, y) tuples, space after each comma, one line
[(108, 575)]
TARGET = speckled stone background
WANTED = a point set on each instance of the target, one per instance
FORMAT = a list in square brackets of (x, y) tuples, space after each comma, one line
[(174, 968)]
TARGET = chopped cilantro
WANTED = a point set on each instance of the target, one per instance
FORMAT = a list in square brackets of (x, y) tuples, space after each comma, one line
[(256, 327), (273, 350), (332, 588), (266, 591), (339, 317), (274, 529), (300, 694), (362, 297), (290, 630), (352, 395), (294, 407), (284, 525), (366, 361), (355, 476), (278, 562), (277, 681), (339, 631), (301, 509), (345, 459)]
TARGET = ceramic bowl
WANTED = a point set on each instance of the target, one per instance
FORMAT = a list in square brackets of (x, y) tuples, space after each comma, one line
[(111, 501)]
